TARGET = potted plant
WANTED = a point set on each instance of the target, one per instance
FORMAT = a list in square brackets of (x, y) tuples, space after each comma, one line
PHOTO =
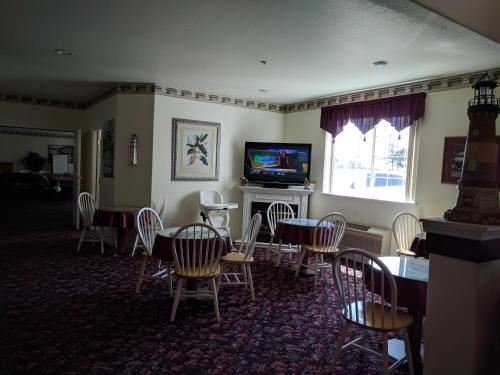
[(34, 162)]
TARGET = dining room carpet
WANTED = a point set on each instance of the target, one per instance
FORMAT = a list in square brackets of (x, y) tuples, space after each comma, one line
[(68, 313)]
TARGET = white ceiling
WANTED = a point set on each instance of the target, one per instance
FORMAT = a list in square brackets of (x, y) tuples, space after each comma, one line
[(313, 48)]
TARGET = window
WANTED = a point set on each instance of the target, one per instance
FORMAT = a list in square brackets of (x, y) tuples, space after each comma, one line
[(376, 165)]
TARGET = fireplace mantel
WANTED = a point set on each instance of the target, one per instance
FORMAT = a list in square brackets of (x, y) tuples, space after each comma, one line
[(291, 196)]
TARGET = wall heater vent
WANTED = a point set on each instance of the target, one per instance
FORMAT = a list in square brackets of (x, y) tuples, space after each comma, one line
[(372, 239)]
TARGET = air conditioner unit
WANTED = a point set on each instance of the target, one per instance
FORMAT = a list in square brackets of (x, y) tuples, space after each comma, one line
[(372, 239)]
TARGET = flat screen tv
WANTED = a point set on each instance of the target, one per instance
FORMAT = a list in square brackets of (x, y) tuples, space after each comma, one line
[(277, 163)]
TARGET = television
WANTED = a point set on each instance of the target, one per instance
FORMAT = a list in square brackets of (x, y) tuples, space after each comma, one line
[(275, 164)]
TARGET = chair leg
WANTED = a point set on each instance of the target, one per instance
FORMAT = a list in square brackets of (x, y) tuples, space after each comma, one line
[(136, 243), (177, 298), (279, 253), (409, 357), (250, 281), (115, 239), (81, 240), (316, 270), (301, 261), (141, 275), (269, 248), (102, 240), (385, 351), (244, 274), (170, 284), (220, 275), (216, 302), (338, 349)]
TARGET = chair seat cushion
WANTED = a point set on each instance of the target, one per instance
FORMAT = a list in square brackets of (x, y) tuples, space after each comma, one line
[(405, 252), (236, 258), (319, 249), (371, 317), (197, 272)]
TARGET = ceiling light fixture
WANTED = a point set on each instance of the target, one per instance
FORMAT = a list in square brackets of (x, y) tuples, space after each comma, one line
[(380, 63), (263, 62), (263, 90), (63, 52)]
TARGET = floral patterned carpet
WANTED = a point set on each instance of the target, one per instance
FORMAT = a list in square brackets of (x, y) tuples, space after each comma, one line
[(68, 313)]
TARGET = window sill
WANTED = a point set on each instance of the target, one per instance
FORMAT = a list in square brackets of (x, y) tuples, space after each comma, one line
[(369, 199)]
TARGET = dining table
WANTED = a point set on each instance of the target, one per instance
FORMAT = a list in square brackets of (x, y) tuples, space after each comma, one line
[(296, 231), (120, 219), (411, 276)]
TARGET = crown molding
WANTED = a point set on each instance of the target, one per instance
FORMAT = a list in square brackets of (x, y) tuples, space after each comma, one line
[(13, 130), (425, 85)]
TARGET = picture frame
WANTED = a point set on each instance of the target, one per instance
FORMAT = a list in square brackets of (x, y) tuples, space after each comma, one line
[(68, 151), (108, 149), (453, 157), (195, 150)]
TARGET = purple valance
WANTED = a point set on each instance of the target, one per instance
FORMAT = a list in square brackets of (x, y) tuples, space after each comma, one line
[(400, 111)]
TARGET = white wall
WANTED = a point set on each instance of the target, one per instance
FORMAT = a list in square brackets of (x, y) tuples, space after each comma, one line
[(445, 115), (15, 147), (237, 126)]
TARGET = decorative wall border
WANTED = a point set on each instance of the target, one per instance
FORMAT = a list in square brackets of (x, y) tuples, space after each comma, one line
[(426, 85), (13, 130)]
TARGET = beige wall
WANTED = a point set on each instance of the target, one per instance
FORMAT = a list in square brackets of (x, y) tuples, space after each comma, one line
[(15, 147), (42, 117), (445, 116), (237, 126), (134, 116)]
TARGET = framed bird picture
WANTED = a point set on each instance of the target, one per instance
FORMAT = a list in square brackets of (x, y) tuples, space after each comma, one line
[(195, 150)]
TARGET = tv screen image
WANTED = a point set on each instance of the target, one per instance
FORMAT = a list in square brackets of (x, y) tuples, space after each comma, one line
[(281, 163)]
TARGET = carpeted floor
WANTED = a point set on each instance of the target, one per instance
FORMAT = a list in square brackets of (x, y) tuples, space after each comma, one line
[(63, 313)]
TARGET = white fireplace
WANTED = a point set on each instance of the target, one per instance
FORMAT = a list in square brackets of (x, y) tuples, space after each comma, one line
[(297, 198)]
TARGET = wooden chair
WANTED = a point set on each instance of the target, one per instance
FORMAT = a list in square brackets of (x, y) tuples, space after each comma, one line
[(326, 239), (242, 257), (275, 212), (87, 207), (355, 279), (216, 218), (405, 228), (161, 214), (148, 224), (197, 251)]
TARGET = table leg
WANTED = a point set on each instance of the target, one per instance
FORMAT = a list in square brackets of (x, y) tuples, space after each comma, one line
[(415, 336)]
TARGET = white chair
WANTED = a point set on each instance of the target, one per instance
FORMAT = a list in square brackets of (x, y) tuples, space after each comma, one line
[(87, 207), (161, 214), (328, 233), (148, 224), (405, 228), (275, 212), (197, 250), (216, 218), (361, 306), (242, 257)]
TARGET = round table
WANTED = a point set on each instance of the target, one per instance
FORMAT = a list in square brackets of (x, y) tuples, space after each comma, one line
[(411, 276), (116, 216), (296, 231), (163, 248)]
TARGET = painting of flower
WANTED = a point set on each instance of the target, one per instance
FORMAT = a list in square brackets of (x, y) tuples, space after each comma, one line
[(195, 150)]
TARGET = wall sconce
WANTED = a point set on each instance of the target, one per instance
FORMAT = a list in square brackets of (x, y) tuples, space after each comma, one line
[(133, 149)]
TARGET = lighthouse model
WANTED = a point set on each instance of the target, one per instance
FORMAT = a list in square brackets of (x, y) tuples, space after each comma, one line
[(479, 186)]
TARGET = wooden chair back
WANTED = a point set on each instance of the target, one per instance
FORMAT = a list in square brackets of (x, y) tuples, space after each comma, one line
[(247, 245), (87, 206), (197, 249), (356, 280), (278, 211), (329, 232), (148, 224), (405, 228)]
